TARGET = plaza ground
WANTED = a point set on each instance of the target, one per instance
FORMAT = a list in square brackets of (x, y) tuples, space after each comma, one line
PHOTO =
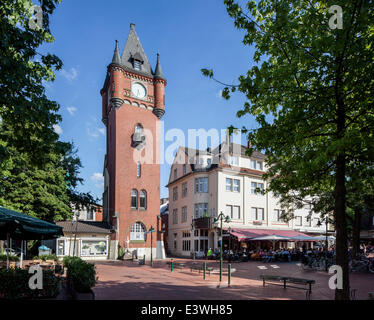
[(127, 280)]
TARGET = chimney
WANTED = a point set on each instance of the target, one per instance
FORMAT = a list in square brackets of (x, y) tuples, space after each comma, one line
[(132, 26), (228, 137)]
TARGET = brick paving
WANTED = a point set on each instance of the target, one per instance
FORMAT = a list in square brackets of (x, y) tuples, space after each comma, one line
[(126, 280)]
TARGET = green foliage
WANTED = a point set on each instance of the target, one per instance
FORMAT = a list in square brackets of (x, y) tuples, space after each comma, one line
[(121, 252), (14, 284), (46, 257), (311, 89), (38, 172), (3, 257), (81, 274)]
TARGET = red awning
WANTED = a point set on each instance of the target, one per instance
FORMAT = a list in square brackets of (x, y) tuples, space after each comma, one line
[(247, 234)]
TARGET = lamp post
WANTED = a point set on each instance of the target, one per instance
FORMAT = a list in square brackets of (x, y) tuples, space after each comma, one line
[(193, 240), (220, 217), (151, 230), (77, 214), (229, 230)]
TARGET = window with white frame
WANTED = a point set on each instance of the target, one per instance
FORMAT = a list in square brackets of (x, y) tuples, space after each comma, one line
[(308, 221), (175, 193), (184, 214), (232, 185), (134, 199), (208, 162), (93, 248), (255, 186), (234, 160), (278, 215), (228, 184), (236, 185), (143, 200), (257, 165), (233, 212), (201, 209), (184, 189), (60, 247), (298, 221), (258, 214), (137, 231), (201, 185), (175, 216), (90, 214), (186, 245), (186, 234)]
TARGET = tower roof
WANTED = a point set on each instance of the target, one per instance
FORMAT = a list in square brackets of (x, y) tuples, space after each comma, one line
[(158, 70), (134, 50), (116, 57)]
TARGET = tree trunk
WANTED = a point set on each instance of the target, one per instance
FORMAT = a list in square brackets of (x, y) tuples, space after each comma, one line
[(341, 228), (356, 233)]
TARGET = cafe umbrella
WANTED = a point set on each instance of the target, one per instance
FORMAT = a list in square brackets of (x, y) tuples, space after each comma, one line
[(18, 226), (272, 237)]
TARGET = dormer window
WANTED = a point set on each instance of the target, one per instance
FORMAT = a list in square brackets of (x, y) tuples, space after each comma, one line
[(137, 61), (137, 65)]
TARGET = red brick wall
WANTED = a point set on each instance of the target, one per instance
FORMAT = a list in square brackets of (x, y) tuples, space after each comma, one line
[(121, 166)]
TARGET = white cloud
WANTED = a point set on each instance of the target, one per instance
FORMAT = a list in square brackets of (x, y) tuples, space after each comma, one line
[(219, 94), (102, 131), (57, 129), (69, 75), (71, 110), (97, 177), (91, 133)]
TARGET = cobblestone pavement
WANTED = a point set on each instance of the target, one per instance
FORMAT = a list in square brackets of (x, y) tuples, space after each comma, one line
[(127, 280)]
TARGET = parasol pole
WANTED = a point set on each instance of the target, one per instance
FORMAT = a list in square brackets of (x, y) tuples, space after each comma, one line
[(21, 261)]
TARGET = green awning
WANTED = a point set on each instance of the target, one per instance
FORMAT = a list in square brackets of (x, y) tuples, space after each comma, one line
[(23, 227)]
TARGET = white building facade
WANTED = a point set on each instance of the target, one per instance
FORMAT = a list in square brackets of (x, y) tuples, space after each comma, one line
[(203, 184)]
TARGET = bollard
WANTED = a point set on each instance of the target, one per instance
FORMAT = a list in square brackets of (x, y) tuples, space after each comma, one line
[(229, 275), (204, 270), (171, 265)]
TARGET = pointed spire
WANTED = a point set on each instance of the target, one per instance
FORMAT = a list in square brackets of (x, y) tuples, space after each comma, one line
[(158, 70), (134, 51), (116, 57)]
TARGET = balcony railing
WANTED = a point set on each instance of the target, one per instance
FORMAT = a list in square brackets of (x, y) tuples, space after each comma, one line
[(203, 223)]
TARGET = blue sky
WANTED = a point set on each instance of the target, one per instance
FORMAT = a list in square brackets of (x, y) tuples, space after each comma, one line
[(189, 35)]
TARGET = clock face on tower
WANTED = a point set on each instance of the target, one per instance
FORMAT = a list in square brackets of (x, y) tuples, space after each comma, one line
[(138, 90)]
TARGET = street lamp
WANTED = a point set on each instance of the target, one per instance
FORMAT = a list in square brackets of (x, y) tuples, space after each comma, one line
[(151, 230), (193, 240), (229, 230), (220, 217)]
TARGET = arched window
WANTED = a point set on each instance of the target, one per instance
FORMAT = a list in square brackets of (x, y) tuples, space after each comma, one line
[(137, 231), (134, 199), (138, 170), (143, 199)]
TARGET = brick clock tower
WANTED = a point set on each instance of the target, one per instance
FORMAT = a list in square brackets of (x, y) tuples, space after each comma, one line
[(133, 102)]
